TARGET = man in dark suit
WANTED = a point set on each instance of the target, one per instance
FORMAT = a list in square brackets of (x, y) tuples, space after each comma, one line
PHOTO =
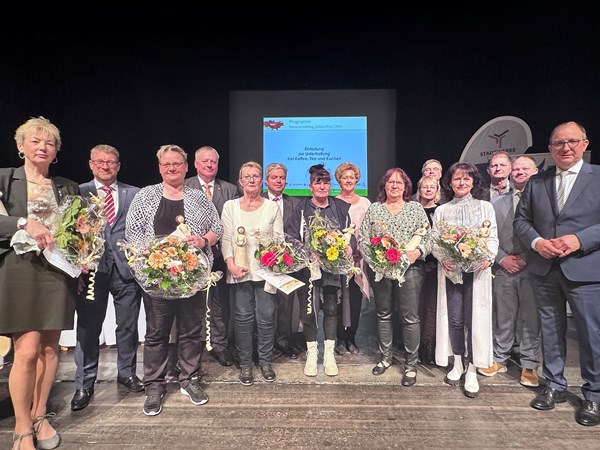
[(112, 277), (559, 218), (515, 308), (219, 191), (275, 177)]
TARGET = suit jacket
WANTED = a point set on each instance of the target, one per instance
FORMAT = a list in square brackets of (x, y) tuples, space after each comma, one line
[(289, 205), (537, 216), (509, 243), (112, 253), (222, 191), (486, 195), (13, 186)]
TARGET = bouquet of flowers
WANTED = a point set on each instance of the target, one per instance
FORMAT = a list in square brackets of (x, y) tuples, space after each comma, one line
[(329, 244), (463, 246), (282, 255), (78, 232), (384, 255), (169, 267)]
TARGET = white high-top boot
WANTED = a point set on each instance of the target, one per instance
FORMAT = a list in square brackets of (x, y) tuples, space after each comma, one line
[(312, 352), (471, 383), (329, 363), (453, 377)]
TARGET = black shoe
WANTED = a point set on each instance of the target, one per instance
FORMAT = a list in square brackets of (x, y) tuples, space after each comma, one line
[(341, 348), (381, 367), (153, 404), (81, 399), (409, 378), (287, 351), (223, 357), (547, 399), (246, 376), (267, 372), (195, 392), (589, 414), (133, 383), (427, 353), (352, 347)]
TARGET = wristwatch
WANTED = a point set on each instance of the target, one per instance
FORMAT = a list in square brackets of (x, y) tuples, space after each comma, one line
[(206, 244), (22, 223)]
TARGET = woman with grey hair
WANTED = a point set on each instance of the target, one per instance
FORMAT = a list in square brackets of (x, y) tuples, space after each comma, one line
[(253, 217), (154, 212)]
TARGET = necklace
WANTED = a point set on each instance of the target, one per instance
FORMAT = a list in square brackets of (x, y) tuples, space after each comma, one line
[(43, 183), (252, 204)]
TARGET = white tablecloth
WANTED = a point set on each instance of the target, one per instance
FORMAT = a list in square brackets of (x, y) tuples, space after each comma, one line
[(68, 337)]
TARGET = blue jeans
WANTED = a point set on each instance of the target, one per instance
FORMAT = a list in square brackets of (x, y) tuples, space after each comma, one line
[(459, 300), (251, 304)]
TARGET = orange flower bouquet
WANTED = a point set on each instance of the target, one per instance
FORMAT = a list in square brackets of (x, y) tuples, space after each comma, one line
[(169, 267)]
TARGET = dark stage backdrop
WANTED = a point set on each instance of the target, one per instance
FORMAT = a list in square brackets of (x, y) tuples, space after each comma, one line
[(138, 88)]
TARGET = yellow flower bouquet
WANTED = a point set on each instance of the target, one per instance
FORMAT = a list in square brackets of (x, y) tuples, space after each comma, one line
[(329, 244)]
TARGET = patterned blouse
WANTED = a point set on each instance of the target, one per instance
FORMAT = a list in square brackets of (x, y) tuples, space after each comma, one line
[(401, 226)]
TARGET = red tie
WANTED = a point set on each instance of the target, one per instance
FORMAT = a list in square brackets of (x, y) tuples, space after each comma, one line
[(276, 199), (109, 205)]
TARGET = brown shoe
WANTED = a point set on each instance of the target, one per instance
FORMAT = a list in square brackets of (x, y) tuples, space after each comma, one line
[(529, 378), (492, 370)]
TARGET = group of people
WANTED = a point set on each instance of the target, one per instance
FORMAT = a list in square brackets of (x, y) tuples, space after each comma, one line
[(541, 235)]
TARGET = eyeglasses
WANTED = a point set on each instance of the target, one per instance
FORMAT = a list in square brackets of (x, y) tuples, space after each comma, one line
[(175, 165), (572, 143), (101, 162), (251, 177), (394, 182)]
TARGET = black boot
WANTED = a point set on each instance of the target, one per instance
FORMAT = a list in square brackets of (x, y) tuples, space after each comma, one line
[(427, 353)]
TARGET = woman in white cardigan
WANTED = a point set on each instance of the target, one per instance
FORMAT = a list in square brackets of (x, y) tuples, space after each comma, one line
[(245, 220), (464, 306)]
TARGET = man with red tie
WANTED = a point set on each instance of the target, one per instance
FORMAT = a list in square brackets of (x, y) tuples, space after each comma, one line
[(112, 277)]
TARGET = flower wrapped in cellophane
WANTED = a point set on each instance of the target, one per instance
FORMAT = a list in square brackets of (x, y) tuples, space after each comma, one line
[(329, 244), (384, 255), (169, 267), (281, 254), (463, 246), (79, 231)]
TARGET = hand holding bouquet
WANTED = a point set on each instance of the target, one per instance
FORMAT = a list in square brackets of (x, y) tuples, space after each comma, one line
[(282, 254), (385, 256), (169, 267), (79, 231), (462, 248), (329, 244)]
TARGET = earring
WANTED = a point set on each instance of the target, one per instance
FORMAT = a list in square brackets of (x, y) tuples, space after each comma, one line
[(21, 155), (55, 160)]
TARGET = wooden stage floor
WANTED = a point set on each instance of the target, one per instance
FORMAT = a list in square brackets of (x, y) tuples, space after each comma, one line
[(353, 410)]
